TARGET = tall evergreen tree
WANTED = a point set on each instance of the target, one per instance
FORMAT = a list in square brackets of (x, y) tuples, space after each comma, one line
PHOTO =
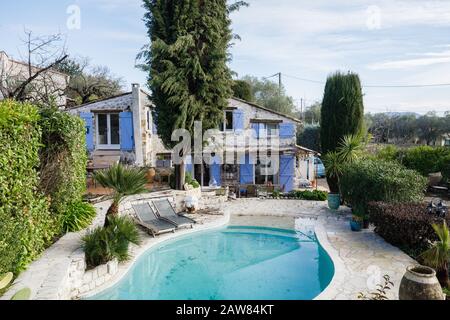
[(187, 65), (342, 113)]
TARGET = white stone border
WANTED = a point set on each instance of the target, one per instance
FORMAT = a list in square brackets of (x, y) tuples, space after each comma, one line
[(340, 271), (126, 267)]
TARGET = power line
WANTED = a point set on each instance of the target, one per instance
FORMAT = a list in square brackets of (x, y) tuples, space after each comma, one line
[(376, 86)]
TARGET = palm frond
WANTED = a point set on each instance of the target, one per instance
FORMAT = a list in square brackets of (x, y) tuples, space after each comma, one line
[(123, 180), (438, 255), (333, 164), (351, 148)]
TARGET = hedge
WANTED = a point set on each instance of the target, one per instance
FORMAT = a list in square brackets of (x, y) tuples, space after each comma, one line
[(405, 225), (376, 180), (63, 160), (423, 159), (26, 226)]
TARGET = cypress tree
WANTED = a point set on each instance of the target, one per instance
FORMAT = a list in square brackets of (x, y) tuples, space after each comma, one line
[(342, 113), (187, 65)]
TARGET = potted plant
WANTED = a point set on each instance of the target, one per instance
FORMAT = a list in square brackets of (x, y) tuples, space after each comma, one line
[(333, 169), (356, 223), (349, 151)]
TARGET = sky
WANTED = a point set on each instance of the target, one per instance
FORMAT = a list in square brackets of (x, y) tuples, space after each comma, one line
[(387, 42)]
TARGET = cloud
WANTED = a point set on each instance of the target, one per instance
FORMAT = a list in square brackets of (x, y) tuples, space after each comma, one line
[(427, 59)]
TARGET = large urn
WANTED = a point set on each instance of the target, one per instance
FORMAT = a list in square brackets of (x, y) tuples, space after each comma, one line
[(420, 283)]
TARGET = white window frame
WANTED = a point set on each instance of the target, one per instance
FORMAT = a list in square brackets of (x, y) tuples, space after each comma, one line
[(108, 146), (224, 125)]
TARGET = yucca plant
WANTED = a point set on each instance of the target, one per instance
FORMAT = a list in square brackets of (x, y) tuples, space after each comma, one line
[(124, 181), (351, 148), (438, 255)]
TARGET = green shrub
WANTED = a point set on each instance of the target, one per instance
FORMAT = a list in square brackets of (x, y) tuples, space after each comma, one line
[(426, 159), (63, 160), (26, 226), (388, 153), (79, 215), (314, 195), (423, 159), (191, 181), (106, 243), (377, 180)]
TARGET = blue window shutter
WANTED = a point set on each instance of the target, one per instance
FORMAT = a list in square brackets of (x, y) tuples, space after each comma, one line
[(287, 172), (287, 130), (216, 170), (154, 128), (255, 126), (189, 166), (126, 131), (238, 120), (247, 171), (88, 118)]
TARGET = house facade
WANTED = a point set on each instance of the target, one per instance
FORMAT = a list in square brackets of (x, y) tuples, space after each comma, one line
[(50, 82), (122, 128)]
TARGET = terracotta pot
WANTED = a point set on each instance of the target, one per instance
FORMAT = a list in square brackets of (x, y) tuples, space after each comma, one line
[(151, 173), (420, 283)]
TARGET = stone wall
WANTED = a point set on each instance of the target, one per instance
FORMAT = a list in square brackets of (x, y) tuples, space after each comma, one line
[(82, 281)]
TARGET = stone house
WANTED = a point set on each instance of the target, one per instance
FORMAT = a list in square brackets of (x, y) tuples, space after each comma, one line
[(122, 127), (50, 82)]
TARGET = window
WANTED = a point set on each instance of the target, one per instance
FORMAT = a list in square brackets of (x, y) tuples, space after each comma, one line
[(108, 133), (447, 142), (227, 123), (149, 120), (264, 173), (267, 129)]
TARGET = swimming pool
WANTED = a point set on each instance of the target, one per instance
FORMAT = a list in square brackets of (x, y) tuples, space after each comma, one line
[(232, 263)]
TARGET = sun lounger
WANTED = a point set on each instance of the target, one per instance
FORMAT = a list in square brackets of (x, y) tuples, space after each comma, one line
[(165, 211), (148, 219)]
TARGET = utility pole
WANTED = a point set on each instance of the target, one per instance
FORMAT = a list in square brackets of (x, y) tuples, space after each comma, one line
[(301, 109), (280, 83)]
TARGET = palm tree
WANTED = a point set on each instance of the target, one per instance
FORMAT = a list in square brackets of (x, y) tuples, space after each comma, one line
[(438, 255), (124, 181)]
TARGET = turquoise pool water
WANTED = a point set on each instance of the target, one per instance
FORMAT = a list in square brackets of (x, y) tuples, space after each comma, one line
[(233, 263)]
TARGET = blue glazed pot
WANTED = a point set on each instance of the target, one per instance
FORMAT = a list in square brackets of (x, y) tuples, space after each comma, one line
[(334, 201), (355, 225)]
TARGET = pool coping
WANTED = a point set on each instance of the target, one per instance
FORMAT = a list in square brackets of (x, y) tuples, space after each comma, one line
[(124, 268), (328, 293), (340, 271)]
